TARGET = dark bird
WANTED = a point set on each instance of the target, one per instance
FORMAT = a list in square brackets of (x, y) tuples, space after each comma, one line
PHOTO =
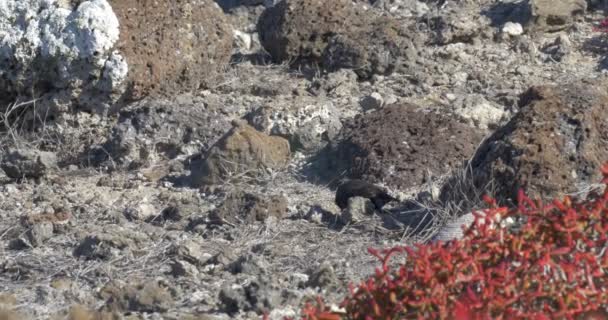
[(359, 188)]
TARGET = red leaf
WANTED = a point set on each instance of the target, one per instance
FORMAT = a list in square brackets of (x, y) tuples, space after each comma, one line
[(462, 312)]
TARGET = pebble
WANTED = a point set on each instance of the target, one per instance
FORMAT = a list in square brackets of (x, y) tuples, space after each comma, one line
[(513, 29), (373, 101)]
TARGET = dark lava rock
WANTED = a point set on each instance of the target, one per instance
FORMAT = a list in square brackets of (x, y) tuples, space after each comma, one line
[(399, 144), (27, 163), (335, 34), (246, 207), (257, 295), (359, 188), (190, 45), (555, 144)]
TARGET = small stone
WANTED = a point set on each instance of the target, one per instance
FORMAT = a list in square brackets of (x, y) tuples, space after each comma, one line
[(480, 112), (357, 210), (373, 101), (192, 252), (563, 41), (39, 233), (453, 229), (323, 277), (143, 211), (513, 29), (21, 164), (180, 268), (240, 206), (460, 77), (523, 70), (242, 40), (299, 279), (279, 314), (390, 99)]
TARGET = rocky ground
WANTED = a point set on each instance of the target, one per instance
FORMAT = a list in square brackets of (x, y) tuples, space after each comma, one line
[(200, 184)]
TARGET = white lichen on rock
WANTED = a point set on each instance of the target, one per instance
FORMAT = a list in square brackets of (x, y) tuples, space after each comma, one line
[(481, 113), (46, 47), (307, 126)]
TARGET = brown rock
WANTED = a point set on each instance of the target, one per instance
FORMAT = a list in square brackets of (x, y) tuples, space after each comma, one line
[(172, 46), (242, 151), (150, 296), (552, 15), (554, 145), (399, 145), (246, 207), (57, 217), (80, 312), (335, 34), (7, 314)]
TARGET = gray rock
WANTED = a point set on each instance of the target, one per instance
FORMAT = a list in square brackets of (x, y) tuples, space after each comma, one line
[(141, 211), (247, 207), (159, 129), (308, 126), (108, 244), (22, 163), (39, 233), (323, 277), (191, 251), (257, 295), (462, 27), (453, 229), (181, 268), (358, 209), (559, 48), (479, 112)]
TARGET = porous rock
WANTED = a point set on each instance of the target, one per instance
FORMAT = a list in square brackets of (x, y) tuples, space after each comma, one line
[(307, 125), (172, 46), (372, 101), (149, 296), (107, 244), (323, 276), (28, 163), (461, 27), (479, 112), (335, 34), (156, 129), (555, 144), (241, 151), (190, 251), (39, 233), (62, 52), (399, 144), (246, 207), (550, 15)]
